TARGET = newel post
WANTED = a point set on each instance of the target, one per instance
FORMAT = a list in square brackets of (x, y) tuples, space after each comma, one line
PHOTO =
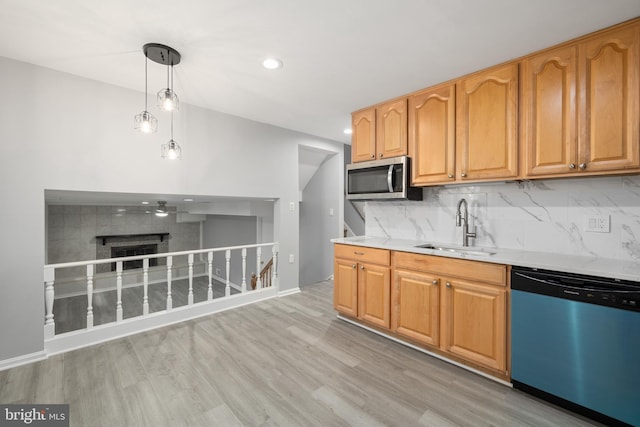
[(49, 324)]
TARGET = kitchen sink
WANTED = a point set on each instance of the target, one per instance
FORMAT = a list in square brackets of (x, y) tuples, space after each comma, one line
[(456, 249)]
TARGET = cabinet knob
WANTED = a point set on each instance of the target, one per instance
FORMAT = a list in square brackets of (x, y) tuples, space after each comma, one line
[(353, 266), (572, 165), (362, 267), (448, 285), (582, 166), (463, 174), (435, 281), (381, 155), (373, 156), (450, 176)]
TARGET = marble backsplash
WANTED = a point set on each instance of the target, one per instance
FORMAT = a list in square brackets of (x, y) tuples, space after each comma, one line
[(541, 215)]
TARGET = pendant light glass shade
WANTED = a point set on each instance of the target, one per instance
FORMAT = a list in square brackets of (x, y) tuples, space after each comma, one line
[(161, 210), (168, 100), (171, 150), (145, 122)]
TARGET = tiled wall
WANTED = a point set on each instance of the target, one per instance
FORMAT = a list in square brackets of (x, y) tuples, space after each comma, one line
[(542, 215), (72, 230)]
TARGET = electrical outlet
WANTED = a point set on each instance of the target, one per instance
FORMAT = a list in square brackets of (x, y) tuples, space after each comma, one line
[(597, 223), (291, 258), (292, 207)]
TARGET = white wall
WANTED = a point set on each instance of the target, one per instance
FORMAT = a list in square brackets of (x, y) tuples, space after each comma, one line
[(64, 132), (317, 225), (542, 215), (226, 230)]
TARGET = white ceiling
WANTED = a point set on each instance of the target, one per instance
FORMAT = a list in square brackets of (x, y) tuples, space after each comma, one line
[(339, 55)]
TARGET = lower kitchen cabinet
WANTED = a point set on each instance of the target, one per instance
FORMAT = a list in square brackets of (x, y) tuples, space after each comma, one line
[(456, 307), (474, 322), (416, 306), (362, 283)]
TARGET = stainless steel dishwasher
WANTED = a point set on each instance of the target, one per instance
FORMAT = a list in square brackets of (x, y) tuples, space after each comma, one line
[(575, 341)]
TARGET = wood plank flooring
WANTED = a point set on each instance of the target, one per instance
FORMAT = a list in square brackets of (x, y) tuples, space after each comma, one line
[(283, 362)]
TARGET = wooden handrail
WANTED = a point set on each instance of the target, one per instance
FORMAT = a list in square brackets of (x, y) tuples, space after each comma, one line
[(265, 276)]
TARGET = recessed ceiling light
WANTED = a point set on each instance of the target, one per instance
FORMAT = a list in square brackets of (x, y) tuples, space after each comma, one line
[(348, 131), (187, 200), (272, 63), (145, 203)]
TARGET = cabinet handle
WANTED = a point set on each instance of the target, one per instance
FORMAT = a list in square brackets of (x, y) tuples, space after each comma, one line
[(582, 166), (450, 176), (362, 267), (358, 253), (463, 174), (448, 285), (572, 165), (435, 281)]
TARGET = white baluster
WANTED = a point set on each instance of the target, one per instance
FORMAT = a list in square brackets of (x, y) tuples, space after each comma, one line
[(190, 297), (119, 291), (89, 296), (169, 300), (49, 324), (258, 267), (244, 270), (145, 287), (274, 267), (227, 256), (210, 288)]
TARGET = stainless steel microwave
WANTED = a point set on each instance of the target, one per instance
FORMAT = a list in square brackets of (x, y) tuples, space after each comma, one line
[(381, 179)]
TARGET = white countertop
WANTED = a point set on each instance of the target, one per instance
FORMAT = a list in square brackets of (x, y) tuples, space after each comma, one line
[(603, 267)]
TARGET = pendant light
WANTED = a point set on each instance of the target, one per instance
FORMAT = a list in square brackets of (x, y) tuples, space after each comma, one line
[(167, 98), (161, 210), (171, 150), (145, 122)]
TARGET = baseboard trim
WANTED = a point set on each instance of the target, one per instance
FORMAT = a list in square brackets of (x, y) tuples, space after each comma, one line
[(422, 350), (289, 292), (14, 362)]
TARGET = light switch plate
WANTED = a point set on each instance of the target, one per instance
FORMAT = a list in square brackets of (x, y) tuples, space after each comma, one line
[(597, 223)]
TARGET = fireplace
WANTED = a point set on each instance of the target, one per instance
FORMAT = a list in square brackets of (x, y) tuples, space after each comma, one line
[(134, 250), (125, 245)]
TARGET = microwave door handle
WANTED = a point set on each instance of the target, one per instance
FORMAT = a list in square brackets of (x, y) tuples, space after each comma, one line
[(390, 178)]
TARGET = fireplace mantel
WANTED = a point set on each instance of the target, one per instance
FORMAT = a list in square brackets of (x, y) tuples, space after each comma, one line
[(126, 236)]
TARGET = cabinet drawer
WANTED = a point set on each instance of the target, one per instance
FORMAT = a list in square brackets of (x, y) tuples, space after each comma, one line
[(364, 254), (495, 274)]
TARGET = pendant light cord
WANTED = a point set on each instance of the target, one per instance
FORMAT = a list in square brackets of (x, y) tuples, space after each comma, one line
[(146, 61)]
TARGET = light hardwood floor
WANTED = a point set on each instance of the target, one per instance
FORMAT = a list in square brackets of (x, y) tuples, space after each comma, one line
[(283, 362)]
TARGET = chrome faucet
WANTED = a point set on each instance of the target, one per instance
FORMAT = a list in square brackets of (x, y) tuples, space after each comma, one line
[(463, 220)]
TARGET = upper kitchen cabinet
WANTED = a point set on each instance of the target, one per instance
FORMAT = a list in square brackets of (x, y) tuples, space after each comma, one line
[(432, 135), (609, 100), (391, 129), (487, 123), (363, 138), (379, 132), (580, 106), (549, 118)]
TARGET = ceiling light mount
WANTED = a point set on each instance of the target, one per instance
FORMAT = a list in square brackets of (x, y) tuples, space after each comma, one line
[(161, 54)]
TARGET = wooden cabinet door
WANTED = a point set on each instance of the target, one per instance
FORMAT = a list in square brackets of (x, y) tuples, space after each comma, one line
[(432, 135), (487, 123), (609, 101), (345, 286), (363, 138), (391, 132), (548, 105), (374, 294), (474, 318), (415, 304)]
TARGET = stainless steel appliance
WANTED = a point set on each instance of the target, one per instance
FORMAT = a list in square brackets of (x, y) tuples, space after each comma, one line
[(381, 179), (576, 342)]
